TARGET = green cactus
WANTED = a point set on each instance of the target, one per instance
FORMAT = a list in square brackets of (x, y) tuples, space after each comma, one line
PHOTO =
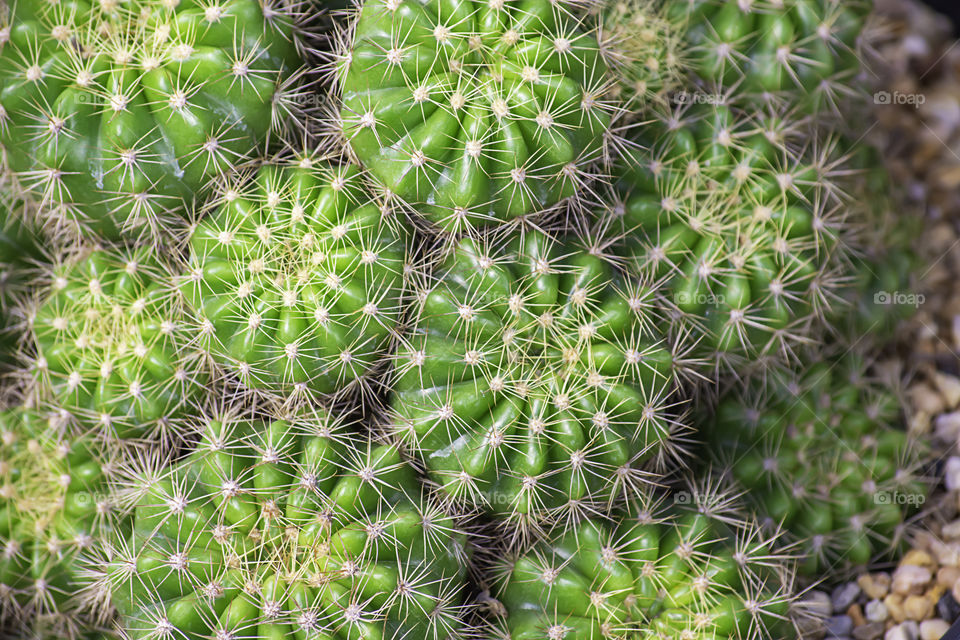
[(21, 257), (822, 457), (295, 279), (56, 507), (664, 572), (787, 54), (474, 112), (747, 232), (534, 382), (111, 349), (116, 114), (286, 530)]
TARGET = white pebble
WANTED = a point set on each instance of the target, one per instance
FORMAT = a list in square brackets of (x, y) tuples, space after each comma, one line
[(952, 473), (875, 611), (933, 629)]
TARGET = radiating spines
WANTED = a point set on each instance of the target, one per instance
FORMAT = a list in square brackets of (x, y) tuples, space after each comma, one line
[(825, 457), (57, 508), (117, 117), (269, 529), (111, 352), (474, 113), (295, 277), (534, 382), (683, 565)]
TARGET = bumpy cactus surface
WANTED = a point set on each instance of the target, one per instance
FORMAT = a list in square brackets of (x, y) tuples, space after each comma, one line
[(111, 348), (534, 381), (55, 508), (286, 530), (793, 54), (746, 231), (823, 457), (295, 279), (21, 256), (115, 113), (663, 572), (474, 112)]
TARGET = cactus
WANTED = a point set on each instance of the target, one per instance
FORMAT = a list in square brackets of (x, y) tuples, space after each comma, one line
[(116, 114), (476, 112), (286, 529), (295, 279), (21, 256), (749, 233), (533, 382), (793, 54), (823, 457), (664, 571), (55, 508), (111, 350)]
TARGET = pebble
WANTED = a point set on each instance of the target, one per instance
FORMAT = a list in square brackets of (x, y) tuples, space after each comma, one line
[(948, 608), (872, 631), (933, 629), (918, 607), (951, 531), (918, 558), (951, 472), (838, 626), (876, 611), (894, 604), (910, 578), (843, 596), (949, 387), (875, 585), (947, 576), (906, 631), (856, 614), (946, 426)]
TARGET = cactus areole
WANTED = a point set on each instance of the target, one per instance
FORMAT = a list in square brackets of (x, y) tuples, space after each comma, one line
[(115, 113), (474, 112)]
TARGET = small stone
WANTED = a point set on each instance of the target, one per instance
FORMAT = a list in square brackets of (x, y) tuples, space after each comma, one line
[(856, 614), (951, 473), (872, 631), (918, 558), (946, 426), (947, 576), (838, 626), (894, 604), (918, 607), (948, 608), (948, 553), (926, 399), (843, 596), (903, 632), (910, 578), (816, 607), (933, 629), (875, 585), (951, 531), (876, 611), (949, 387)]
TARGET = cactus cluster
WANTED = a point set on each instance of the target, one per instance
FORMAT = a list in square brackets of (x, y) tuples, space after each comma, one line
[(55, 505), (533, 381), (295, 277), (115, 115), (285, 528), (436, 360), (111, 350), (821, 456), (474, 112), (683, 569)]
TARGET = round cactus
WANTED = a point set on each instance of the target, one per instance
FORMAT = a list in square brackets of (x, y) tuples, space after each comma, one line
[(286, 529), (747, 233), (111, 348), (474, 112), (822, 457), (794, 54), (55, 507), (533, 381), (117, 113), (664, 572), (295, 279)]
